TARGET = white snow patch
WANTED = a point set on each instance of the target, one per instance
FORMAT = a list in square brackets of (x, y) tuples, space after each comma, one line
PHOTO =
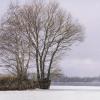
[(55, 93)]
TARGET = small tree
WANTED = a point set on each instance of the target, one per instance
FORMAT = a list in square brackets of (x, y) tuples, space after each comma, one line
[(14, 46)]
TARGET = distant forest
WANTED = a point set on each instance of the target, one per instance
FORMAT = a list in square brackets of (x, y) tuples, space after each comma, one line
[(77, 79)]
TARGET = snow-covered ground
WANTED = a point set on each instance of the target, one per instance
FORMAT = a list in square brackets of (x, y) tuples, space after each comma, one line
[(55, 93)]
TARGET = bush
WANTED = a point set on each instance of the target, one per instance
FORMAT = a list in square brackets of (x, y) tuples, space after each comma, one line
[(12, 83)]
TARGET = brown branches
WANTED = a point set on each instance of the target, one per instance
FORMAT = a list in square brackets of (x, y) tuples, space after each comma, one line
[(42, 29)]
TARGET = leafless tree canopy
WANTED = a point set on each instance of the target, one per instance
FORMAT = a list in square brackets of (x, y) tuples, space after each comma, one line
[(41, 28), (14, 46)]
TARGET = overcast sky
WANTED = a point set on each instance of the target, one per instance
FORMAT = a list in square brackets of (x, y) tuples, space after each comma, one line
[(84, 58)]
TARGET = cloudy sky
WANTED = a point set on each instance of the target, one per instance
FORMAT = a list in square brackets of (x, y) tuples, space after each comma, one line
[(84, 58)]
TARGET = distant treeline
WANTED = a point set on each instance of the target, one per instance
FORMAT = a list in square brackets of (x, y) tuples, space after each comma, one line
[(77, 79)]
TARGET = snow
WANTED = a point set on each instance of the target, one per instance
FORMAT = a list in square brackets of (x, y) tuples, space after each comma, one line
[(55, 93)]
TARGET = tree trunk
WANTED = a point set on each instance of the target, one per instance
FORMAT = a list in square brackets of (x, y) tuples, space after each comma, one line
[(44, 83)]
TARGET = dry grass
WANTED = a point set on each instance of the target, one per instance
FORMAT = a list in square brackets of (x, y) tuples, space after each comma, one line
[(12, 83)]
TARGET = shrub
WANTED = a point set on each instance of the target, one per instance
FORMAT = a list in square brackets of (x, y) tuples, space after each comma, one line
[(12, 83)]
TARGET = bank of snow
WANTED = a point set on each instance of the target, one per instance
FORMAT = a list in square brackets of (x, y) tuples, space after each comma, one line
[(55, 93)]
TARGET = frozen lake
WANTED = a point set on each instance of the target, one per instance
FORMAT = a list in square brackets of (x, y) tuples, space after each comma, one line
[(55, 93)]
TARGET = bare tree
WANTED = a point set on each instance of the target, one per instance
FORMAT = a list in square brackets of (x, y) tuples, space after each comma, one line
[(14, 46), (50, 30)]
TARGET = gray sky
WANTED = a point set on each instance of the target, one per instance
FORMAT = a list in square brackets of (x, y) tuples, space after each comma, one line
[(84, 58)]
